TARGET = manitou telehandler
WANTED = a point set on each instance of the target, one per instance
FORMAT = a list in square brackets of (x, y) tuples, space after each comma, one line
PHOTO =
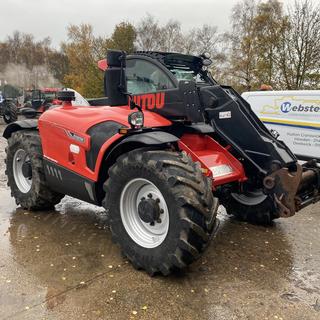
[(168, 145)]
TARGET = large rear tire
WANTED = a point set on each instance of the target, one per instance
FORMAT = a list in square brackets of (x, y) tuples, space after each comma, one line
[(161, 209), (253, 207), (25, 172), (10, 112)]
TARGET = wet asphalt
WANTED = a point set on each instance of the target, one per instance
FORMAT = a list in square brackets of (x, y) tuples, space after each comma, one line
[(62, 264)]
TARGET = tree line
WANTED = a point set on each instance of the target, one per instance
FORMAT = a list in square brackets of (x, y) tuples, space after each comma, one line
[(268, 44)]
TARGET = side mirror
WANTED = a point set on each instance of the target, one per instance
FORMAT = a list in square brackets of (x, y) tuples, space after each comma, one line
[(115, 85)]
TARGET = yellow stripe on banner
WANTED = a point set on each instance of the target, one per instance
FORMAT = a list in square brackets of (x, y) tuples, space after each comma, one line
[(290, 122)]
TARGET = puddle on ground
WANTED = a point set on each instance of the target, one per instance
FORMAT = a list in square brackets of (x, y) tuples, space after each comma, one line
[(62, 264)]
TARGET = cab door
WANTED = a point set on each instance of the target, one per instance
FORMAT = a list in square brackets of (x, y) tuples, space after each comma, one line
[(156, 89), (153, 87)]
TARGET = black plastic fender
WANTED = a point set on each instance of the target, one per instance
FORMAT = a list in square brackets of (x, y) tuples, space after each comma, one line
[(20, 125), (129, 143), (153, 138), (101, 132)]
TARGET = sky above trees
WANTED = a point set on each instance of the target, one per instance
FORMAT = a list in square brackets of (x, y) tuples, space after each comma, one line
[(44, 18), (267, 43)]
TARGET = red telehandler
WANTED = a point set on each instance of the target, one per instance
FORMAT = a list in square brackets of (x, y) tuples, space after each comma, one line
[(159, 153)]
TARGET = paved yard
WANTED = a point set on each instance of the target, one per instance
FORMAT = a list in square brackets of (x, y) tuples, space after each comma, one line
[(62, 265)]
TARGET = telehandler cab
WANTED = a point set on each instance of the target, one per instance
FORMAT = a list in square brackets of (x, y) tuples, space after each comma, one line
[(163, 149)]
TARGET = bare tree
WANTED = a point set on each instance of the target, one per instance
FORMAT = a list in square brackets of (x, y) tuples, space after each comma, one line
[(148, 34), (270, 45), (243, 58), (298, 53), (28, 62), (171, 36), (207, 39), (189, 42), (270, 22)]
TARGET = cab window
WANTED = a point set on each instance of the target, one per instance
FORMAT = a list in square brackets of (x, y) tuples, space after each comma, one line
[(145, 77), (36, 95)]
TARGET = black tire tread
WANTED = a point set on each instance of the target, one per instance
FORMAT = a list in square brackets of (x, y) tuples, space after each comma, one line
[(41, 197), (13, 110), (194, 195), (261, 214)]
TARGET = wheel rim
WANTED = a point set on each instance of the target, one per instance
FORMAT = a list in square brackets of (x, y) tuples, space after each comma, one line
[(143, 233), (250, 198), (22, 181)]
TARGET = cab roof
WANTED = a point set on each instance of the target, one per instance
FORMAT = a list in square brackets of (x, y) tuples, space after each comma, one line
[(174, 60)]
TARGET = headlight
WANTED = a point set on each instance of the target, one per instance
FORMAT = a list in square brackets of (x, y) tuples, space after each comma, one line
[(222, 170), (136, 120)]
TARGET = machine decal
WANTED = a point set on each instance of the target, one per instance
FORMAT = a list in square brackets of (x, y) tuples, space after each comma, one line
[(225, 115), (150, 101), (75, 136)]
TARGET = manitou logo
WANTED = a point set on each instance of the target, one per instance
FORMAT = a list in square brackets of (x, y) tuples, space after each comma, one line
[(150, 101)]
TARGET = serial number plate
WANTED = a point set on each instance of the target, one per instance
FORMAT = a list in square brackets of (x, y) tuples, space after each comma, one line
[(225, 115)]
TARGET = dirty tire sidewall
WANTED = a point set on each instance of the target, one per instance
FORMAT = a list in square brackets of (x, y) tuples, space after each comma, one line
[(39, 197), (260, 214), (10, 113), (182, 245)]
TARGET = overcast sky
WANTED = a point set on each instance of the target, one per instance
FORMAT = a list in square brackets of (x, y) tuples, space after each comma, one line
[(51, 17)]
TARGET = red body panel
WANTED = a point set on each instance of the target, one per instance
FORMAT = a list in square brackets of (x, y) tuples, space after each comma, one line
[(210, 153), (64, 130), (56, 125), (50, 89), (56, 102)]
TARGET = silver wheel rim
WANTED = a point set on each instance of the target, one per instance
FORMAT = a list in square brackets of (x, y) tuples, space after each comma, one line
[(23, 183), (142, 233)]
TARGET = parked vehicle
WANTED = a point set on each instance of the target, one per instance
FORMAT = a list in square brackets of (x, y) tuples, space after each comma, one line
[(295, 115), (32, 110), (40, 100), (166, 147)]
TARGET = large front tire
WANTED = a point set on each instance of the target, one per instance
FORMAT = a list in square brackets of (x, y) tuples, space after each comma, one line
[(25, 172), (161, 209)]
